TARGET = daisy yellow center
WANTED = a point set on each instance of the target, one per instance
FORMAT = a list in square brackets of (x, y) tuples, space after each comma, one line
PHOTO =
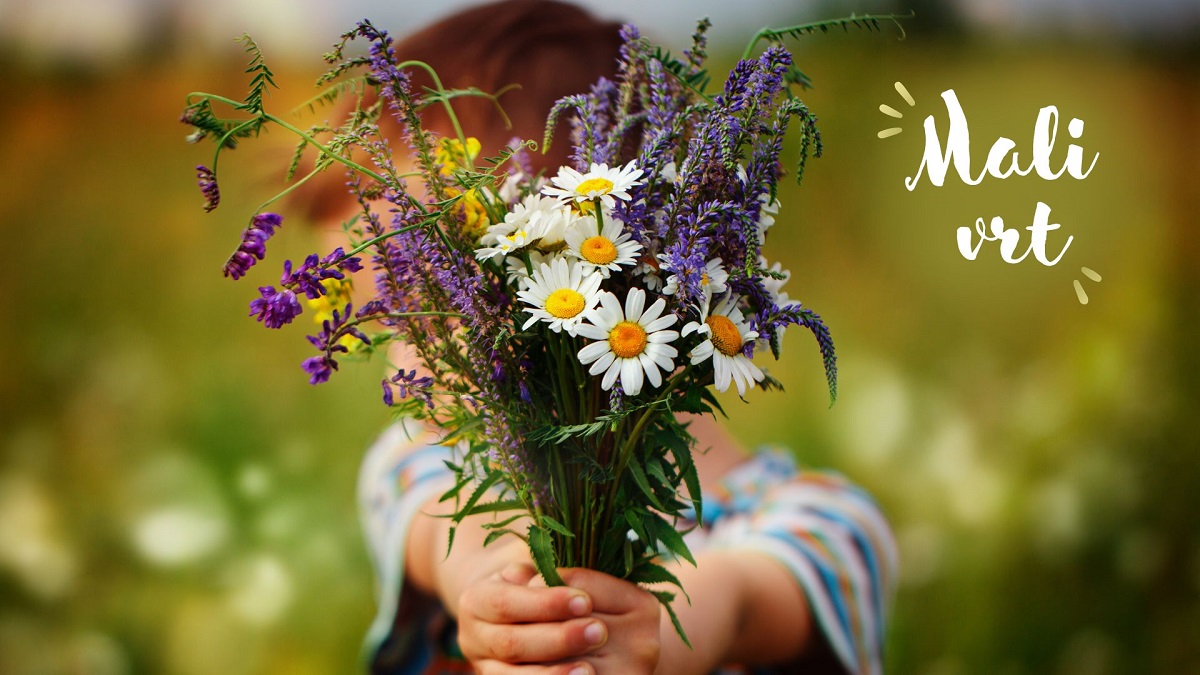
[(598, 250), (595, 186), (564, 303), (725, 335), (627, 340), (704, 280)]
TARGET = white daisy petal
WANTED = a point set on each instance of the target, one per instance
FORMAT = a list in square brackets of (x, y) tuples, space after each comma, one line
[(610, 303), (631, 376), (739, 378), (663, 336), (603, 363), (651, 368), (587, 330), (593, 351), (653, 312), (611, 376), (662, 322), (634, 303), (721, 373)]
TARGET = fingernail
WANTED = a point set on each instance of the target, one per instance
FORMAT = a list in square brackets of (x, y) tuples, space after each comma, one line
[(579, 670), (594, 633), (578, 605)]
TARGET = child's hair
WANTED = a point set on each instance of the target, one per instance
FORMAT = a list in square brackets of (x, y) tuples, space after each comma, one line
[(550, 49)]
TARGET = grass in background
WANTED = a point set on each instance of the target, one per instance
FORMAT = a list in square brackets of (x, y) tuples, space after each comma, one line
[(175, 498)]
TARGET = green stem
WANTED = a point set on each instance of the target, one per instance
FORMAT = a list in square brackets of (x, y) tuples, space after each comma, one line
[(389, 315), (776, 33), (437, 84), (224, 139), (286, 191), (271, 118), (371, 242)]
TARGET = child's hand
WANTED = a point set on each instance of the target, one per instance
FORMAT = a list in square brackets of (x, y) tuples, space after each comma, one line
[(632, 617), (503, 622)]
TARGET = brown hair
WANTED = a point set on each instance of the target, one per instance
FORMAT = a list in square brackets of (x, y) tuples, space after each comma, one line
[(549, 49)]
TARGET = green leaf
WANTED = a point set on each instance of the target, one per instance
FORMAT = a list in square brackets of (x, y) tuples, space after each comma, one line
[(665, 598), (453, 492), (671, 538), (542, 548), (556, 526), (653, 573), (498, 505), (654, 470), (555, 434), (483, 487), (502, 523), (639, 477), (682, 452), (496, 534)]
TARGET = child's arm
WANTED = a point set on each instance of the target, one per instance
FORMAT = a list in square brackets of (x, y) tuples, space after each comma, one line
[(597, 623)]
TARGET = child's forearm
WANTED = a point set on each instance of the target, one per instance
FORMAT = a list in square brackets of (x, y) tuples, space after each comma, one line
[(430, 570), (746, 608)]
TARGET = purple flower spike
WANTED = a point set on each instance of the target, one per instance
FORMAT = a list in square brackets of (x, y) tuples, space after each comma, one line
[(275, 308), (208, 186), (319, 368), (254, 244)]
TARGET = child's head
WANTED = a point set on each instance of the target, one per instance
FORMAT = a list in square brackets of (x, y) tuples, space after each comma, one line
[(549, 49)]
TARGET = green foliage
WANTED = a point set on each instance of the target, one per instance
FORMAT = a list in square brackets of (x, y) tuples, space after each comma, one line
[(261, 77), (866, 22), (542, 548)]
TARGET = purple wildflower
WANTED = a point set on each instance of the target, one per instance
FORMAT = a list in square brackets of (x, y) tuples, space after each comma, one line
[(319, 368), (307, 278), (275, 308), (406, 383), (208, 186), (338, 258), (254, 244)]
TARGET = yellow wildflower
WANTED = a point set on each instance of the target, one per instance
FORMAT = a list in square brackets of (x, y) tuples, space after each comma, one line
[(337, 296)]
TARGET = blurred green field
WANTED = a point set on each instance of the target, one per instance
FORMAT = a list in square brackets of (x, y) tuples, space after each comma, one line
[(175, 498)]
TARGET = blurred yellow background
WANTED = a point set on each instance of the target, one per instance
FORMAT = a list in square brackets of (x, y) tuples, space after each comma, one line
[(175, 498)]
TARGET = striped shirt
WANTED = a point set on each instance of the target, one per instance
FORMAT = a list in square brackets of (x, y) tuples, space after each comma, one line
[(829, 533)]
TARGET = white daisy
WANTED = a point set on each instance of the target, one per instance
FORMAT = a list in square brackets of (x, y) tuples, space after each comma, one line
[(515, 268), (712, 278), (605, 251), (559, 293), (632, 343), (726, 331), (503, 239), (766, 217), (669, 173), (775, 286), (600, 182), (549, 227), (648, 269), (533, 218)]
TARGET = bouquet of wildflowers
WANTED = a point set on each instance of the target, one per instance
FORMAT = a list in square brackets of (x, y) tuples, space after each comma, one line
[(560, 321)]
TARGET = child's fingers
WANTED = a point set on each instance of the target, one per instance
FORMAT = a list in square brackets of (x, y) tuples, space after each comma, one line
[(501, 668), (504, 603), (608, 593), (518, 573), (541, 642)]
